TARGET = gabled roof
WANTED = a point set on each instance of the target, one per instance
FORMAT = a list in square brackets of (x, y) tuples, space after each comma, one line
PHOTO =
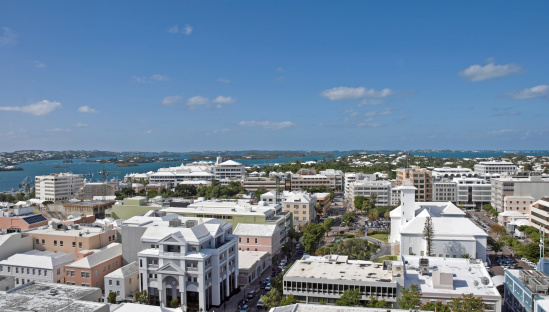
[(111, 251), (125, 271), (263, 230), (39, 259), (443, 227), (230, 163)]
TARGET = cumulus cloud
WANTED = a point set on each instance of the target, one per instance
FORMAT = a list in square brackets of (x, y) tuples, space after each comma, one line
[(86, 109), (171, 100), (369, 122), (222, 100), (7, 37), (148, 131), (152, 78), (387, 111), (197, 101), (81, 125), (491, 70), (186, 30), (41, 108), (530, 93), (267, 124), (347, 93), (223, 80)]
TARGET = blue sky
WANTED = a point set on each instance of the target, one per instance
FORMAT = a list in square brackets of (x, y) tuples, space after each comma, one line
[(232, 75)]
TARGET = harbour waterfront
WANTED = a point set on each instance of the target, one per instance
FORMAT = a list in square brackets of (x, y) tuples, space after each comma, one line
[(9, 180)]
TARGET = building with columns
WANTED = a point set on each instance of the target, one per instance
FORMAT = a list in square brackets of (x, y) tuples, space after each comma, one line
[(193, 260)]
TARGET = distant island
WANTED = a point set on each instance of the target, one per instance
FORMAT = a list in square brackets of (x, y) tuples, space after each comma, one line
[(11, 168)]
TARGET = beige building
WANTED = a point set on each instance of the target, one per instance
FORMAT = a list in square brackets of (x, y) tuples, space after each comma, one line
[(92, 189), (302, 207), (96, 208), (75, 239), (534, 186), (539, 213), (253, 184), (58, 186), (421, 179), (518, 203), (299, 182)]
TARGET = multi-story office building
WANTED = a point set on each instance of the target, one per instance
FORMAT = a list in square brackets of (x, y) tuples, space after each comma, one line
[(90, 271), (74, 239), (229, 170), (539, 213), (518, 203), (335, 177), (395, 195), (534, 186), (351, 177), (58, 186), (193, 260), (253, 184), (473, 192), (96, 208), (92, 189), (302, 206), (450, 173), (445, 191), (382, 190), (526, 291), (315, 279), (421, 179), (258, 237), (299, 181), (36, 266), (486, 168), (239, 211)]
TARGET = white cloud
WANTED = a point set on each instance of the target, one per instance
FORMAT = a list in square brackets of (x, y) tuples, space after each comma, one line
[(155, 77), (218, 131), (530, 93), (43, 107), (186, 30), (59, 130), (501, 132), (86, 109), (347, 93), (81, 125), (171, 100), (387, 111), (370, 102), (368, 122), (7, 37), (39, 64), (479, 73), (197, 101), (280, 69), (224, 100), (351, 112), (223, 80), (268, 124), (148, 131)]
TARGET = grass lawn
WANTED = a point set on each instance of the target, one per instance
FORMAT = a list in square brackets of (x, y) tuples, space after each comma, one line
[(381, 237)]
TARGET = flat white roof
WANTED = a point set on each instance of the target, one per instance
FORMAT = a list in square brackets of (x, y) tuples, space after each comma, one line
[(465, 271), (87, 231), (246, 259), (248, 229)]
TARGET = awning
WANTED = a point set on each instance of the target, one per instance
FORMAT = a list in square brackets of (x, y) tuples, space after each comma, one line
[(498, 280)]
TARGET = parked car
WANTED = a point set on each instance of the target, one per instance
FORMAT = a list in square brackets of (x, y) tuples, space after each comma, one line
[(244, 308), (268, 287), (260, 305), (268, 280), (262, 285), (250, 295)]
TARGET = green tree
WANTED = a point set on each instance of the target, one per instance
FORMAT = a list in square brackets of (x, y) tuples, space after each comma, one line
[(497, 229), (327, 224), (359, 200), (142, 296), (410, 298), (348, 217), (271, 298), (373, 302), (373, 215), (47, 202), (428, 235), (467, 303), (290, 299), (174, 303), (527, 167), (186, 190), (350, 298), (312, 234), (373, 200), (435, 306), (112, 297), (276, 282)]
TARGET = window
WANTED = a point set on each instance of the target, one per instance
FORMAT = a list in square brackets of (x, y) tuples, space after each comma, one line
[(83, 274), (16, 270), (73, 244), (117, 283), (110, 282), (240, 240), (141, 263), (54, 243), (248, 240), (37, 241), (256, 240), (79, 244), (61, 243), (43, 242)]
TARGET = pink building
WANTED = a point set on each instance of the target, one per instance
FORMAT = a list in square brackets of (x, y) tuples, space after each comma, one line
[(21, 219), (90, 271), (258, 237)]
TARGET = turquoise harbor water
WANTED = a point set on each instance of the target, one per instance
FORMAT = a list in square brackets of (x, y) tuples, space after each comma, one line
[(10, 179)]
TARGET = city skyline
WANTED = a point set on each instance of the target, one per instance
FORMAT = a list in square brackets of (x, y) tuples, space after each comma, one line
[(273, 76)]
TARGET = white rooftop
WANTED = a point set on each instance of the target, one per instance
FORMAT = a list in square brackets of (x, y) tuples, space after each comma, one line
[(246, 259), (467, 276), (111, 251), (39, 259), (248, 229), (87, 231), (125, 271)]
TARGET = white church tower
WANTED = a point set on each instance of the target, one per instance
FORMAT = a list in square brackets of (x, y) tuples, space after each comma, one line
[(407, 201)]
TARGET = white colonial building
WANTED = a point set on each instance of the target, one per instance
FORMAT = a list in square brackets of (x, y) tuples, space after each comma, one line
[(229, 170), (382, 189), (454, 234), (194, 260)]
